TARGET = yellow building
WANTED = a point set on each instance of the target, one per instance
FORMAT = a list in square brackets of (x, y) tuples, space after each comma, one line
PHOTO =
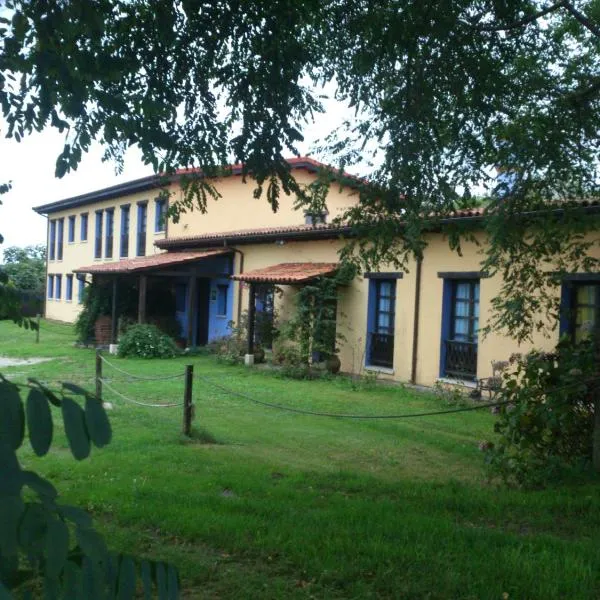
[(419, 326)]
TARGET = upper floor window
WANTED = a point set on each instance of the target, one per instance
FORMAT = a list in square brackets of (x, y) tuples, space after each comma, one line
[(69, 291), (312, 218), (125, 212), (142, 217), (59, 240), (160, 215), (110, 226), (98, 241), (84, 227), (52, 241), (71, 231)]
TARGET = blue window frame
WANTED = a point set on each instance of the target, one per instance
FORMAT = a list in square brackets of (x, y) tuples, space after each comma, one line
[(69, 291), (222, 291), (80, 290), (57, 287), (110, 229), (71, 229), (125, 213), (160, 214), (142, 216), (60, 239), (381, 322), (52, 241), (98, 240), (50, 286), (460, 326), (580, 309), (83, 234)]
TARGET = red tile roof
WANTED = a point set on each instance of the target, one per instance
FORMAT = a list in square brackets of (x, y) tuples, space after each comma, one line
[(288, 273), (147, 263)]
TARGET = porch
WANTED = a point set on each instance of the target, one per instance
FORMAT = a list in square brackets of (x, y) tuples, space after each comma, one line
[(190, 293)]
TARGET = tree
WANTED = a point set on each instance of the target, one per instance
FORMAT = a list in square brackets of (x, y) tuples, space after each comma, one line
[(26, 267)]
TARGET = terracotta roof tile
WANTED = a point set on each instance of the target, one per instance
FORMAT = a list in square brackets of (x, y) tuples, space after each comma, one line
[(288, 273), (147, 263)]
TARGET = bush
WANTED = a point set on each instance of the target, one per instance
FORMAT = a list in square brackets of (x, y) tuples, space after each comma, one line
[(146, 341), (546, 429)]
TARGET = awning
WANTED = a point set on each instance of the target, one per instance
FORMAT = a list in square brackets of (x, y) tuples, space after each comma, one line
[(149, 263), (288, 273)]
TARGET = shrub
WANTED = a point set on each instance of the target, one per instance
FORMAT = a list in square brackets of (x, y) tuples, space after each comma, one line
[(546, 429), (146, 341)]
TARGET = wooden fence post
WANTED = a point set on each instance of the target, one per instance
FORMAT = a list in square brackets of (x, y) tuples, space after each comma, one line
[(187, 400), (99, 374), (37, 333)]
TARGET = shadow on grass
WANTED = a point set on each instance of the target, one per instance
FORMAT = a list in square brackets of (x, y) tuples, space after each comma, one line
[(201, 435)]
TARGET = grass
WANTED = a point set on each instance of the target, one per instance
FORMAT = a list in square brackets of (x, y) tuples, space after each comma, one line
[(262, 503)]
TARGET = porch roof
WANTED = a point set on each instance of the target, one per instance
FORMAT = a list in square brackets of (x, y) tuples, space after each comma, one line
[(288, 273), (149, 263)]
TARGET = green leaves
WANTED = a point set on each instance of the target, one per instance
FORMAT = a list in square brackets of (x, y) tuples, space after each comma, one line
[(75, 428), (39, 422), (57, 547), (97, 422), (12, 415)]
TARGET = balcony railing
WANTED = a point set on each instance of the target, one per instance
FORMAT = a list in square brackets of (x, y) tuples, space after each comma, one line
[(124, 245), (461, 359), (141, 243), (381, 350)]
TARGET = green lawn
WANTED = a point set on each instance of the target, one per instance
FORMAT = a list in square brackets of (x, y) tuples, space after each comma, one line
[(284, 505)]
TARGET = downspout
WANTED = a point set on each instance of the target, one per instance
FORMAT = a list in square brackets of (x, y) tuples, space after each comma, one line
[(415, 345), (239, 299), (47, 249)]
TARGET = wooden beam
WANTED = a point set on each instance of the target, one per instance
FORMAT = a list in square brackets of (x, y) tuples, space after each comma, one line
[(113, 334), (143, 289), (251, 317), (191, 302)]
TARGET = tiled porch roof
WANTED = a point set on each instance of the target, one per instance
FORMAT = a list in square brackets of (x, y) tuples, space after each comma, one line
[(148, 263), (288, 273)]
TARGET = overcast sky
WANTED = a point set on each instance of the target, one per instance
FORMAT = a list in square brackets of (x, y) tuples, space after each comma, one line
[(29, 165)]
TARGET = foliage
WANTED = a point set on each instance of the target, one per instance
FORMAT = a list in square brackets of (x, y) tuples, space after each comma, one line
[(43, 542), (26, 267), (546, 429), (146, 341)]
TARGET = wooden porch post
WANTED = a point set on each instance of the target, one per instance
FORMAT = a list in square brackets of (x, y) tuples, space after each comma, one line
[(191, 301), (251, 317), (142, 298), (113, 334)]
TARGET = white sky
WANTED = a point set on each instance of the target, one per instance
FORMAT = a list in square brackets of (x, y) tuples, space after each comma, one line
[(29, 165)]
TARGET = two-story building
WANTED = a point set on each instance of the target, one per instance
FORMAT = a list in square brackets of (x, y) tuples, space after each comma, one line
[(419, 326)]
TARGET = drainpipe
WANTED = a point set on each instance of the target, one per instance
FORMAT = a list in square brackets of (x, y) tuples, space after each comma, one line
[(47, 252), (415, 345), (239, 300)]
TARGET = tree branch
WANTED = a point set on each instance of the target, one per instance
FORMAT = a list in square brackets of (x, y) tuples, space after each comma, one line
[(581, 18), (524, 21)]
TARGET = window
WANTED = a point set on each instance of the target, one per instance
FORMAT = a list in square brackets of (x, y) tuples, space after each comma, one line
[(59, 242), (583, 318), (124, 251), (311, 218), (160, 215), (84, 227), (52, 241), (110, 226), (57, 287), (98, 247), (71, 231), (222, 300), (459, 328), (50, 286), (382, 307), (142, 215), (80, 289), (69, 295)]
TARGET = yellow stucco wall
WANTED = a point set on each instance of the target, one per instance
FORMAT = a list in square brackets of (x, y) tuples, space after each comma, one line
[(80, 254)]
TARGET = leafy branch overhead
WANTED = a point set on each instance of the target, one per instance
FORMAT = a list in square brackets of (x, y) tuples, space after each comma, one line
[(45, 543), (442, 97)]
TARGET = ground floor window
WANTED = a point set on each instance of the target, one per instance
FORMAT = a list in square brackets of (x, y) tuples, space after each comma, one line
[(69, 296), (460, 328), (584, 319), (50, 286), (382, 307), (57, 287)]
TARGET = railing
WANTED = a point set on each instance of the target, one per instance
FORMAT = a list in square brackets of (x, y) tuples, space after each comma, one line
[(124, 245), (381, 350), (461, 359), (141, 243)]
